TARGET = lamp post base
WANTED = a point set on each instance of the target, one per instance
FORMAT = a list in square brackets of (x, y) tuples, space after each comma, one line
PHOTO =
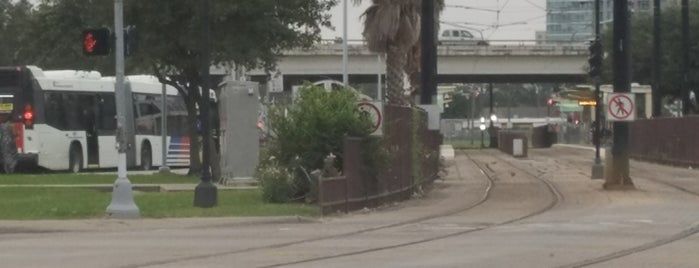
[(122, 205), (164, 170), (597, 171), (205, 195)]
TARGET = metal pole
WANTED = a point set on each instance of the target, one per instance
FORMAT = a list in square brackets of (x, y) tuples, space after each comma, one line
[(345, 53), (122, 205), (379, 85), (619, 173), (491, 131), (205, 194), (429, 54), (597, 168), (163, 131), (685, 57), (656, 59)]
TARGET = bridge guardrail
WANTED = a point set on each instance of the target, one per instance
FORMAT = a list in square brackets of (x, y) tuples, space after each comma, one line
[(496, 47)]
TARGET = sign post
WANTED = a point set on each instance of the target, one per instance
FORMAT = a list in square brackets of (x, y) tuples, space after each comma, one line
[(620, 110)]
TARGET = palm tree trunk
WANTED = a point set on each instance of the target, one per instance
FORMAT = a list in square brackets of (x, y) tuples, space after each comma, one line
[(395, 62)]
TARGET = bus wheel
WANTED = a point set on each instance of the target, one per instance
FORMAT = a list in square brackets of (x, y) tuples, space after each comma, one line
[(146, 158), (75, 160)]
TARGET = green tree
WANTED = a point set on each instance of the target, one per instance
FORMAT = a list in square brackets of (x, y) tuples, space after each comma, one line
[(392, 27), (671, 56), (244, 33), (15, 17)]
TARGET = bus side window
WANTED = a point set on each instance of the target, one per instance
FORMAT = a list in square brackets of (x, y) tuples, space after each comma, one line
[(106, 123), (55, 110)]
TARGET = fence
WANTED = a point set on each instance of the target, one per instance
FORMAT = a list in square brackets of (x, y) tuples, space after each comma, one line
[(665, 140), (356, 190)]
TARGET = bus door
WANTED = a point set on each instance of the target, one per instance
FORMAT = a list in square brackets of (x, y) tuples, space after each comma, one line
[(89, 104)]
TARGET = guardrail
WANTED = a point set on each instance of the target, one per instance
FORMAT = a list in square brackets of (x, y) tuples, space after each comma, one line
[(495, 48)]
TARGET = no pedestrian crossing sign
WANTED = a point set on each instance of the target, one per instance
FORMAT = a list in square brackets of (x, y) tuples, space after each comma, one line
[(621, 107), (374, 110)]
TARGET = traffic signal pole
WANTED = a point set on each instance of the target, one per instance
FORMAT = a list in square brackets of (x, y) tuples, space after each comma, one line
[(122, 205), (597, 168), (618, 176)]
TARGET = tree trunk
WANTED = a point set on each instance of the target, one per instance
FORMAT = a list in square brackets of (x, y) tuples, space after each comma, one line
[(395, 62), (194, 143), (414, 72)]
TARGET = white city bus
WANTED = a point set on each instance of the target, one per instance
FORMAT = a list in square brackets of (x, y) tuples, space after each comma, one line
[(66, 120)]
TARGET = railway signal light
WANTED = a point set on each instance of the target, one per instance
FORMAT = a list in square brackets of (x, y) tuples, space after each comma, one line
[(595, 59), (95, 42)]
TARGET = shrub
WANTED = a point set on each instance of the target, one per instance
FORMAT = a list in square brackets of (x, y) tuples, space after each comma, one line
[(304, 133), (275, 181)]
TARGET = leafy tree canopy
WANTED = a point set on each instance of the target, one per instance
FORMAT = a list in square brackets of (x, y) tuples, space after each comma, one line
[(671, 54), (250, 33)]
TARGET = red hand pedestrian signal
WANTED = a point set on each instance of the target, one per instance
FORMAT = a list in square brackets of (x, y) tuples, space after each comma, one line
[(96, 41), (89, 43)]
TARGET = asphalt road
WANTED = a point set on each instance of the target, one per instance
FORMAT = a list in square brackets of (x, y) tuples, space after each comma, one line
[(490, 211)]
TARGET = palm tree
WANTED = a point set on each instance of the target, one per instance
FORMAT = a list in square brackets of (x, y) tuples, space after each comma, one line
[(393, 27), (413, 66)]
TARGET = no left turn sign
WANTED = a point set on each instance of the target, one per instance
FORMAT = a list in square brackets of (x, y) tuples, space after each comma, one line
[(621, 107)]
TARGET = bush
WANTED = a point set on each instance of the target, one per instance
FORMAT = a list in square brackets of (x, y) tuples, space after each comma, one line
[(304, 133), (275, 181)]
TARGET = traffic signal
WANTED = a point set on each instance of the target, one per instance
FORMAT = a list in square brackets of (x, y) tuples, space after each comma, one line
[(595, 59), (130, 39), (96, 42)]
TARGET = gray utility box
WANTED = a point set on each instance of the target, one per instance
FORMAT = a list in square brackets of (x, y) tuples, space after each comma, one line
[(239, 107)]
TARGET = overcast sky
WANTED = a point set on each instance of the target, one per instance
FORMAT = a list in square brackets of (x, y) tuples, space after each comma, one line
[(516, 19)]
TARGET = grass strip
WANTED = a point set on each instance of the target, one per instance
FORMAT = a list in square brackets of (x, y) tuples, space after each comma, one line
[(74, 203), (69, 179)]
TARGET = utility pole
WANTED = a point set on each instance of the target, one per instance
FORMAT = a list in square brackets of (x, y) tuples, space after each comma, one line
[(122, 205), (685, 57), (345, 53), (205, 194), (597, 168), (657, 61), (619, 177), (492, 132), (429, 54)]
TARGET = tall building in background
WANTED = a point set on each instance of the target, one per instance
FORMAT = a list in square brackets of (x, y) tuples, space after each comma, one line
[(569, 20), (572, 20)]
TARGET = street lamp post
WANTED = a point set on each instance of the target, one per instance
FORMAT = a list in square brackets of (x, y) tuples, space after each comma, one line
[(597, 168), (482, 127), (493, 132), (345, 53), (205, 194), (122, 205)]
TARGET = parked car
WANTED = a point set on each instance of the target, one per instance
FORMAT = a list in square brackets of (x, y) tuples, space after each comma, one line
[(460, 37)]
